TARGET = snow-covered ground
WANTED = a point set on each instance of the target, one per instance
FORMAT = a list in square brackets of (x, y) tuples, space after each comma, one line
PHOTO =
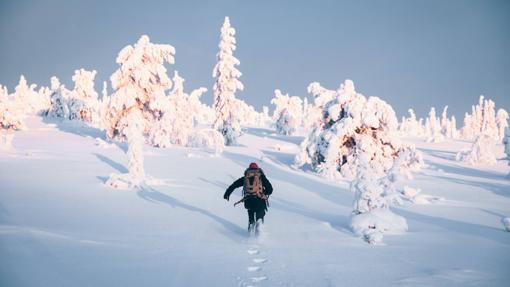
[(61, 226)]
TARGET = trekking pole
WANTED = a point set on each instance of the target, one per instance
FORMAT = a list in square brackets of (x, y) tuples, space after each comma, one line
[(242, 199)]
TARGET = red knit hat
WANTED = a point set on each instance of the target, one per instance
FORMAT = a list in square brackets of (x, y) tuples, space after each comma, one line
[(254, 165)]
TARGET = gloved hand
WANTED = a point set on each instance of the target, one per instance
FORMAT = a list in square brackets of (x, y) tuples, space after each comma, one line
[(226, 196)]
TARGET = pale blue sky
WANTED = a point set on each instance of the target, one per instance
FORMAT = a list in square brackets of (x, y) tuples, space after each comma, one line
[(410, 53)]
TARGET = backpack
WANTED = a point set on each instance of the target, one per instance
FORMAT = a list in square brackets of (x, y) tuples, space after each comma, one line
[(253, 183)]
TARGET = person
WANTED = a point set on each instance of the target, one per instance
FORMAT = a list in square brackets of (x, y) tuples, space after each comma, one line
[(256, 190)]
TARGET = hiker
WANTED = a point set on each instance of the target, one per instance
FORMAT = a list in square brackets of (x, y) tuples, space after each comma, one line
[(256, 190)]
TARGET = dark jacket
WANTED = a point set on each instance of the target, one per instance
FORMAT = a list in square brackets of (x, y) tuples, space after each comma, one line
[(252, 202)]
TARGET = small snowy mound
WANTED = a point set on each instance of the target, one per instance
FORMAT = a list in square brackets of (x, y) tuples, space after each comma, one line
[(121, 181), (414, 196), (481, 152), (506, 223), (372, 225)]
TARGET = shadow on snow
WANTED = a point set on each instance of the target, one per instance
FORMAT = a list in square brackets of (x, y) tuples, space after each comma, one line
[(152, 195)]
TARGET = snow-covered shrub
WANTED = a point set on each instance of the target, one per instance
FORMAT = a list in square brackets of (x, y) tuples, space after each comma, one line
[(209, 139), (351, 124), (83, 101), (482, 120), (288, 113), (58, 100), (226, 106), (481, 152)]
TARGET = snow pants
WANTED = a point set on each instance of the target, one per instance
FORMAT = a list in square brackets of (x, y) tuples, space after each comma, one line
[(256, 208)]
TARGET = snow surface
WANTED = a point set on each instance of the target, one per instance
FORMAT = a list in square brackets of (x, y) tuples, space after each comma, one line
[(60, 225)]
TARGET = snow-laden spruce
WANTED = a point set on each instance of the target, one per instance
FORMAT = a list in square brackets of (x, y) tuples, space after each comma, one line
[(288, 113), (433, 127), (139, 81), (484, 120), (226, 106), (347, 116), (83, 100), (371, 217)]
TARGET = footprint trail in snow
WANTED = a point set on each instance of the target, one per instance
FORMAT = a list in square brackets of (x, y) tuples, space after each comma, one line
[(255, 267)]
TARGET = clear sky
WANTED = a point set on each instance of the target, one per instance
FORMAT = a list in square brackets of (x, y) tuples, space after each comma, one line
[(410, 53)]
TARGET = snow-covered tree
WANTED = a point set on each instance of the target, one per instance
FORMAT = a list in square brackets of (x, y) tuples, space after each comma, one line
[(202, 113), (209, 139), (176, 121), (333, 146), (226, 84), (433, 127), (411, 126), (502, 123), (58, 100), (313, 111), (481, 152), (12, 117), (247, 114), (482, 120), (506, 143), (83, 101), (134, 133), (139, 81), (288, 113), (31, 101), (371, 216), (180, 113), (103, 106)]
